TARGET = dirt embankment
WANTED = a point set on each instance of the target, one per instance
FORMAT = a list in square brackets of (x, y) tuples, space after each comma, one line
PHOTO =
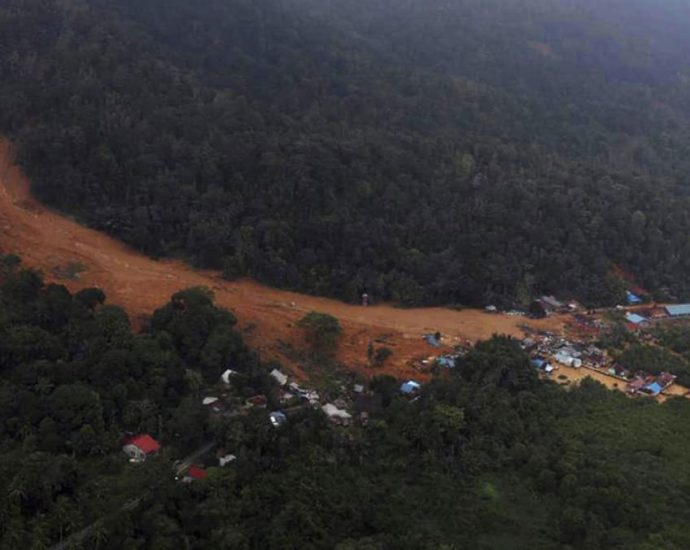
[(57, 245)]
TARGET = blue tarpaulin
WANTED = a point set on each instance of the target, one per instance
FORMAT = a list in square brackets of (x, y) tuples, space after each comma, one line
[(632, 298), (410, 387), (653, 388), (445, 361), (539, 363), (432, 341)]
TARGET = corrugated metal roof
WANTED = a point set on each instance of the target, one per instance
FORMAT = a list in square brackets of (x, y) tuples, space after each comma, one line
[(635, 318), (679, 309)]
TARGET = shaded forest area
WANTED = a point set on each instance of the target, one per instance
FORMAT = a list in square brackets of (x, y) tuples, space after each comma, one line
[(421, 151), (489, 456)]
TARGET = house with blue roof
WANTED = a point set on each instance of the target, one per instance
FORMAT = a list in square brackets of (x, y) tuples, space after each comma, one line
[(678, 310), (635, 319), (632, 299), (653, 389)]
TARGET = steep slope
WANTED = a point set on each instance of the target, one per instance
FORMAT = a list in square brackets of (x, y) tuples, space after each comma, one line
[(424, 152), (80, 258)]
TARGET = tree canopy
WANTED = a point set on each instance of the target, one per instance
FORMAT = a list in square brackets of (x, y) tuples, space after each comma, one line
[(422, 151), (487, 455)]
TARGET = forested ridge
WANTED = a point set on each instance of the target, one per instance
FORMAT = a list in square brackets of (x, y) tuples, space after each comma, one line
[(488, 456), (421, 151)]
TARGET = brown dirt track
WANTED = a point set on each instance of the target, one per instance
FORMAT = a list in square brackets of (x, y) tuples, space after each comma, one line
[(49, 241)]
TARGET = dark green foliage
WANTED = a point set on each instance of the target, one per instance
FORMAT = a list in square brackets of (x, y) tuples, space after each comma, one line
[(90, 297), (422, 151), (201, 333), (487, 457), (536, 310), (322, 332), (73, 379)]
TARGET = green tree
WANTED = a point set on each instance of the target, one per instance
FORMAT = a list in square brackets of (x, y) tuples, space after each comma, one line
[(322, 332)]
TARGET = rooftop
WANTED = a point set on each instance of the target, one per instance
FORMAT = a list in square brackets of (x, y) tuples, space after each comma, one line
[(144, 442), (635, 319), (679, 309)]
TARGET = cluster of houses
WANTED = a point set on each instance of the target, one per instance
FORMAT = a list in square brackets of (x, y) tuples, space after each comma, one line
[(643, 384), (548, 346), (645, 316), (547, 352)]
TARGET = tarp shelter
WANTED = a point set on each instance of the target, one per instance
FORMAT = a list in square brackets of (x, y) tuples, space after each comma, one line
[(279, 377), (679, 310), (632, 298), (539, 363), (653, 389), (635, 319), (446, 361), (432, 340), (410, 387)]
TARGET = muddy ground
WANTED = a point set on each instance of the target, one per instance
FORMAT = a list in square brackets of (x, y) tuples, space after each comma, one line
[(78, 257)]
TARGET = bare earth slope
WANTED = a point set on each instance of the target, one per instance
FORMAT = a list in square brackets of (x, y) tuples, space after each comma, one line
[(51, 242)]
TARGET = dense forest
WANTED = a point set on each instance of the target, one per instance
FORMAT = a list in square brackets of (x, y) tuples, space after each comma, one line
[(422, 151), (488, 456)]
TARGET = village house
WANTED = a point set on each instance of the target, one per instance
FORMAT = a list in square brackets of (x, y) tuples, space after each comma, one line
[(336, 415), (194, 473), (678, 310), (665, 379), (226, 459), (653, 389), (635, 385), (410, 388), (551, 305), (632, 299), (225, 377), (139, 447), (542, 365), (285, 396), (279, 377), (277, 418), (619, 371)]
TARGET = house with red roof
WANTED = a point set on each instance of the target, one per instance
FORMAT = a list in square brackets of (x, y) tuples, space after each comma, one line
[(195, 473), (139, 447)]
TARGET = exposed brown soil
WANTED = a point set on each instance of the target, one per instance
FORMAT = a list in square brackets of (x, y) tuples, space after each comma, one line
[(78, 257)]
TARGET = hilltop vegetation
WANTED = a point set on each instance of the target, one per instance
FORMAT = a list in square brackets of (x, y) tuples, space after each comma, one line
[(488, 457), (422, 151)]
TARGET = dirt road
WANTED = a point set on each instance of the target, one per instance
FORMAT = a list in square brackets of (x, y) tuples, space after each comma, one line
[(50, 242)]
